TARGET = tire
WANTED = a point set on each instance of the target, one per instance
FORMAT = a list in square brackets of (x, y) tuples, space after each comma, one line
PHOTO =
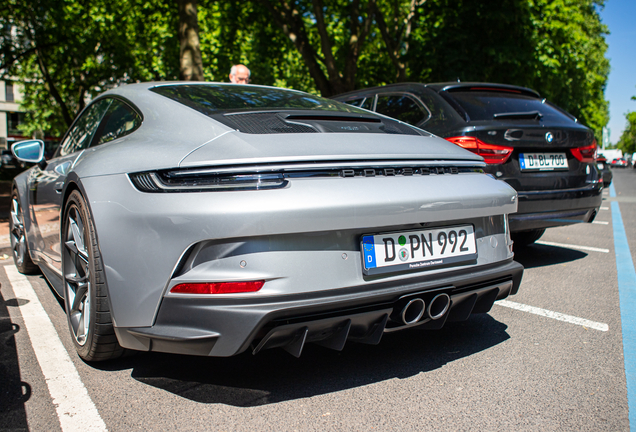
[(85, 290), (525, 238), (19, 245)]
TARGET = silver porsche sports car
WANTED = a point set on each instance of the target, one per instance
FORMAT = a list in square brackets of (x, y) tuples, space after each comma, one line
[(211, 219)]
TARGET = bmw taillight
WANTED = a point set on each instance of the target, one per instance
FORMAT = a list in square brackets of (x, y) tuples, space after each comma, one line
[(585, 154), (218, 287), (492, 154)]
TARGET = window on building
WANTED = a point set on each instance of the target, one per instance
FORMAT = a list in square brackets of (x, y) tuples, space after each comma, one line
[(8, 88), (13, 121)]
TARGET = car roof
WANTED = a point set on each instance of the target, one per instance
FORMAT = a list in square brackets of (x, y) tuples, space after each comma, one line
[(446, 86)]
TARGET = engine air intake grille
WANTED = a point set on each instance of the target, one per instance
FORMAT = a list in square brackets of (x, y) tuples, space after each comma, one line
[(264, 123)]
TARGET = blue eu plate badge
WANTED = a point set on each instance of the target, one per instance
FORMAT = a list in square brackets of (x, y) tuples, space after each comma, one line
[(369, 251)]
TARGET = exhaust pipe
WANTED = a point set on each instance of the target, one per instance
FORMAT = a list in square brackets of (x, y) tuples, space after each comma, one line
[(413, 311), (438, 306)]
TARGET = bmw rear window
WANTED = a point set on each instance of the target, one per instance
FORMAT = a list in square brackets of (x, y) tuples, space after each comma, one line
[(221, 98), (488, 105)]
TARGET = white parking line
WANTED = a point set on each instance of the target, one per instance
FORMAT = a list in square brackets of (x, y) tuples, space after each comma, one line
[(601, 222), (554, 315), (604, 208), (570, 246), (74, 406)]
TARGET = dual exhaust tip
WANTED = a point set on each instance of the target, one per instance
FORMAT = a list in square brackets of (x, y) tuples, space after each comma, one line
[(416, 309)]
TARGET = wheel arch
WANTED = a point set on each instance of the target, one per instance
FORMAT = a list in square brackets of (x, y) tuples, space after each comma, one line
[(21, 187), (74, 183)]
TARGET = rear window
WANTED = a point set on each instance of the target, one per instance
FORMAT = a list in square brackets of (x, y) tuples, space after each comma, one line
[(488, 105), (220, 98)]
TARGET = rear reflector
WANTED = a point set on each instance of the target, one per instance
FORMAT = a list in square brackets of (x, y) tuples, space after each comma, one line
[(492, 154), (217, 287), (585, 154)]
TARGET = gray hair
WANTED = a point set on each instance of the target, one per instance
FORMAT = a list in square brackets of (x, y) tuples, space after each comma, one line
[(233, 70)]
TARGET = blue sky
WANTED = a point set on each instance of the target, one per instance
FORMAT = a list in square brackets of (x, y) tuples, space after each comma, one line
[(619, 16)]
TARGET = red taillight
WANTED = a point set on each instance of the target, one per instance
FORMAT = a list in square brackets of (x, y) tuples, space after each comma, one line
[(585, 154), (492, 154), (218, 287)]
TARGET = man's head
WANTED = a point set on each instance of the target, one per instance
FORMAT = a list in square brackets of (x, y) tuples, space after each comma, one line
[(240, 74)]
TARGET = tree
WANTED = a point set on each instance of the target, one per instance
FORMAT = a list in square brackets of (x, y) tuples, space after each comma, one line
[(627, 142), (556, 47), (329, 37), (472, 40), (66, 53), (189, 49), (570, 67)]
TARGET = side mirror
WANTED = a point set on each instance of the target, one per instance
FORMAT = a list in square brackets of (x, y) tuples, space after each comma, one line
[(30, 151)]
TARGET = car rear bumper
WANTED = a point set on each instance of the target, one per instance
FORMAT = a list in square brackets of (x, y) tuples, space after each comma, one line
[(607, 178), (545, 209), (225, 327)]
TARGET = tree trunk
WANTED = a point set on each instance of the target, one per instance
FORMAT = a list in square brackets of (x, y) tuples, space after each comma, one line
[(189, 50), (288, 15), (66, 114), (290, 21), (396, 38)]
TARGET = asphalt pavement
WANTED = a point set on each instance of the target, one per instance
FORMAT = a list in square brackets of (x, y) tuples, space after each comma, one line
[(5, 208), (550, 358)]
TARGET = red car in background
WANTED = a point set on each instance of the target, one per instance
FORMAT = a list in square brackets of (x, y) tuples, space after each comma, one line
[(619, 163)]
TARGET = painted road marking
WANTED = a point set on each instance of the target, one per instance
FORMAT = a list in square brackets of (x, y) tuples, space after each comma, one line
[(554, 315), (570, 246), (604, 208), (627, 294), (74, 407), (601, 222)]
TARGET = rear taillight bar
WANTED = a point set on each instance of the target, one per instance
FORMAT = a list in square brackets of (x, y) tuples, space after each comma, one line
[(492, 154), (217, 287), (586, 154)]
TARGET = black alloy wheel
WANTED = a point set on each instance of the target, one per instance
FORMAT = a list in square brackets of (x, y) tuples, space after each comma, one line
[(17, 234)]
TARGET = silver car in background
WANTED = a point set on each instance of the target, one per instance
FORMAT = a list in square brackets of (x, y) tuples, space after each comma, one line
[(211, 219)]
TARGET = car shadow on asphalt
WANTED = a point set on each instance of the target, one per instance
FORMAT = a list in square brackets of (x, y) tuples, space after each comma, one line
[(538, 255), (275, 376), (14, 392)]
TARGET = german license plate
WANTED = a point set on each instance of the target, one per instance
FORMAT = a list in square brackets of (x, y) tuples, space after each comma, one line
[(418, 250), (542, 161)]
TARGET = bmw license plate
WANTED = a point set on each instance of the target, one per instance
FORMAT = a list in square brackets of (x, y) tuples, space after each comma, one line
[(418, 250), (542, 161)]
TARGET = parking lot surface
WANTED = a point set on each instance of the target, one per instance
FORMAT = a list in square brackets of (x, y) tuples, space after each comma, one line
[(550, 358)]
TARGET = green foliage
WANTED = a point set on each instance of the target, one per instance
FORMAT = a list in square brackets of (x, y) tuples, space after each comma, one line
[(233, 32), (473, 40), (67, 51), (42, 112), (556, 47), (627, 143), (570, 67)]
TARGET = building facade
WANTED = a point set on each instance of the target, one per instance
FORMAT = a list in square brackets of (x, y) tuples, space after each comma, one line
[(10, 113)]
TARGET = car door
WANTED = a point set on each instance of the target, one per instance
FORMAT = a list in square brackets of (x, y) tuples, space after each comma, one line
[(47, 184)]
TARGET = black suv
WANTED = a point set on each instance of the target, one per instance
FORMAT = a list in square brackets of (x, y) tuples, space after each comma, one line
[(533, 145)]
